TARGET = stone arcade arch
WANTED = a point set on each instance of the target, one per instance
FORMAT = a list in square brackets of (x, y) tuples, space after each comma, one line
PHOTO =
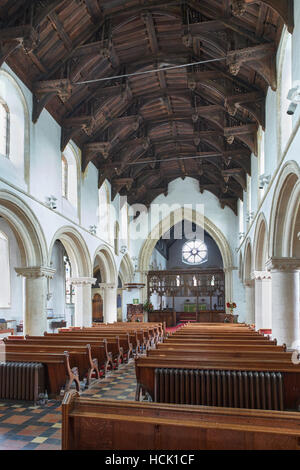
[(82, 279), (166, 224), (33, 251), (284, 261), (283, 209), (262, 277), (104, 259)]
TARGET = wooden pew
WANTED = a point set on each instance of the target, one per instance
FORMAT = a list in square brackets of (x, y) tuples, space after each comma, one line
[(98, 350), (79, 356), (130, 339), (257, 341), (114, 352), (90, 424), (146, 368), (143, 340), (59, 373), (219, 346), (117, 344)]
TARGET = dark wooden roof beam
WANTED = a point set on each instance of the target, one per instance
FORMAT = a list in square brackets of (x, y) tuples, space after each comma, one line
[(284, 8)]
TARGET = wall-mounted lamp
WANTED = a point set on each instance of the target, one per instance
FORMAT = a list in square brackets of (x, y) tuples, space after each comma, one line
[(123, 249), (51, 202), (264, 180), (93, 229), (250, 216), (294, 97)]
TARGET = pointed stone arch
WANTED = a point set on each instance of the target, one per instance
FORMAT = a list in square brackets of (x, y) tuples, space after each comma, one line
[(260, 246), (104, 258), (190, 215), (283, 219), (26, 228), (248, 263), (76, 249), (126, 270)]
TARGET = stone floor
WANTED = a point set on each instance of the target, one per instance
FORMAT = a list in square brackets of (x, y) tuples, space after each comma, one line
[(27, 427)]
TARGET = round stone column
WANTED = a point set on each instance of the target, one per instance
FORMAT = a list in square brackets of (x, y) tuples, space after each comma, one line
[(83, 300), (35, 315), (263, 302), (109, 302), (229, 294), (285, 299), (250, 302)]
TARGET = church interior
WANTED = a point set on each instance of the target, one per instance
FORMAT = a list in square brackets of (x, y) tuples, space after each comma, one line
[(149, 225)]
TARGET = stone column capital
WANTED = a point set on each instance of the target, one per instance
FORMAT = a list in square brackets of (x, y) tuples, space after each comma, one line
[(76, 281), (107, 285), (230, 269), (286, 264), (260, 275), (35, 272)]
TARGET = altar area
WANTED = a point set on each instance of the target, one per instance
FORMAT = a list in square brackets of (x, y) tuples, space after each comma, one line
[(187, 295)]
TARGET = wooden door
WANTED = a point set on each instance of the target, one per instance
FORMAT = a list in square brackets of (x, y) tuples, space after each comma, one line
[(97, 308)]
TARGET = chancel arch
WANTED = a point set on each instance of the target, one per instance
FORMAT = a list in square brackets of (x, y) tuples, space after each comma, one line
[(191, 216)]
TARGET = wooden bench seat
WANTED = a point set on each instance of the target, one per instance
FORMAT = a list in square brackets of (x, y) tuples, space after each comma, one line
[(136, 339), (80, 356), (59, 373), (140, 338), (225, 340), (116, 347), (120, 343), (91, 424), (146, 366), (209, 346)]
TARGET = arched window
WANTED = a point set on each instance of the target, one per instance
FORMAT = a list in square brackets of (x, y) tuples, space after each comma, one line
[(194, 252), (69, 176), (116, 238), (64, 173), (5, 272), (4, 129), (241, 219), (103, 213), (286, 121)]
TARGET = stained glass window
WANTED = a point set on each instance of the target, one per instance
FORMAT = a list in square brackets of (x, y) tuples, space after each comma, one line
[(194, 252)]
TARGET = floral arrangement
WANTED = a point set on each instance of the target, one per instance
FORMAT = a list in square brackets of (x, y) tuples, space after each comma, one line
[(231, 306), (148, 307)]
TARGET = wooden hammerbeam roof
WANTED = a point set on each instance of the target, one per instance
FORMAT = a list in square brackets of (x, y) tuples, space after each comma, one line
[(144, 130)]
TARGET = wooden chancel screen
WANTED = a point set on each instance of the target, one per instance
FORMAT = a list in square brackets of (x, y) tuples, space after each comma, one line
[(196, 284)]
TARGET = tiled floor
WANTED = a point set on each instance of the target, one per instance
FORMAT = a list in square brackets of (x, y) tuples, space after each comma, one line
[(26, 427)]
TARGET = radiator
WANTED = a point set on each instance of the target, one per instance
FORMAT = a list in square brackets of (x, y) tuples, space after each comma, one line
[(21, 381), (234, 389)]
